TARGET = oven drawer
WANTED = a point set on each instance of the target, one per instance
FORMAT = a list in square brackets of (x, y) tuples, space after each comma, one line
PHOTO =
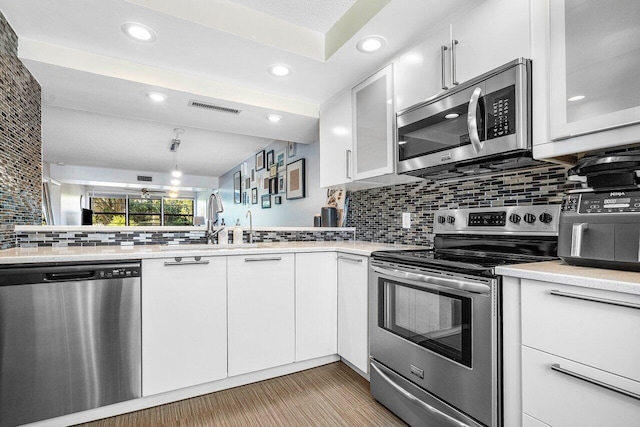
[(553, 394), (586, 325), (411, 403)]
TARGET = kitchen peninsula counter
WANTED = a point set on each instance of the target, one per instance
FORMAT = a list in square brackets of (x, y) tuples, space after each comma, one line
[(110, 253)]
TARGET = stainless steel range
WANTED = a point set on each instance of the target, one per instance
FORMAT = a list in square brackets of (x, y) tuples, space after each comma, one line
[(435, 315)]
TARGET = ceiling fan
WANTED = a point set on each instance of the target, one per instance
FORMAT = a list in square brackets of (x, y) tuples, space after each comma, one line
[(146, 193)]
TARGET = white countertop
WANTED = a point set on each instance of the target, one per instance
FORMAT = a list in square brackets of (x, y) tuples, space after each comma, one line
[(109, 253), (586, 277)]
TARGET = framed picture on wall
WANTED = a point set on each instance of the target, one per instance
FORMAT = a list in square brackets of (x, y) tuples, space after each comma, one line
[(282, 180), (296, 180), (253, 177), (273, 186), (270, 158), (280, 159), (265, 183), (260, 160), (245, 198), (277, 200), (273, 170), (291, 149), (237, 184), (254, 196), (266, 201)]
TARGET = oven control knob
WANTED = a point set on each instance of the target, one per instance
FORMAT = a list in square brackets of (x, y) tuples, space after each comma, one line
[(441, 219), (515, 218), (530, 218), (451, 219), (545, 218)]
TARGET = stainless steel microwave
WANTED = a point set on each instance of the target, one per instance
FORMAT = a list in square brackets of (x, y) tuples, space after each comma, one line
[(485, 121)]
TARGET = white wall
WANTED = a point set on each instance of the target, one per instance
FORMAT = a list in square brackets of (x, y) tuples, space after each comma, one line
[(298, 212), (65, 203)]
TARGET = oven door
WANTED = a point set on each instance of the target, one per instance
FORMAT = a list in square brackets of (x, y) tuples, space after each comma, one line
[(439, 331)]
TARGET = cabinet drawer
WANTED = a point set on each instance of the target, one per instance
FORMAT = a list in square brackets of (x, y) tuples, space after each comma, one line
[(560, 399), (589, 326)]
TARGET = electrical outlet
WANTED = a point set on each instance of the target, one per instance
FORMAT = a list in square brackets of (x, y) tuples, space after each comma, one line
[(406, 220)]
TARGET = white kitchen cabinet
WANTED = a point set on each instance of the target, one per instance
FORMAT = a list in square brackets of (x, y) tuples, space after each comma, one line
[(373, 125), (566, 355), (316, 305), (261, 312), (353, 326), (184, 322), (593, 53), (464, 47), (336, 143)]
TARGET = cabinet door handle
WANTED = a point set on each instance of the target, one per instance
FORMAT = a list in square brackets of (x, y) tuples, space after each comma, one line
[(348, 164), (472, 120), (443, 49), (178, 261), (595, 299), (576, 238), (556, 367), (453, 62), (346, 258), (262, 259)]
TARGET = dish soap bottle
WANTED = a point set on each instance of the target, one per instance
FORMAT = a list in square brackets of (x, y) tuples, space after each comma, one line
[(223, 234), (237, 234)]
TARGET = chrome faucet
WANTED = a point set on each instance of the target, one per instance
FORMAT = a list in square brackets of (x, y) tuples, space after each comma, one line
[(214, 207), (250, 225)]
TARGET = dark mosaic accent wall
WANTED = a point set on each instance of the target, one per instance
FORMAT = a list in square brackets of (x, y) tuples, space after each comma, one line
[(20, 143), (34, 239), (377, 213)]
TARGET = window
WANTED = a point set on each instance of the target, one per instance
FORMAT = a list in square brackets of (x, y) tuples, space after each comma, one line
[(124, 210), (178, 211), (109, 210)]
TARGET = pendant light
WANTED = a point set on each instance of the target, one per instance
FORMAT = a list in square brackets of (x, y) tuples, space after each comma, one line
[(175, 143)]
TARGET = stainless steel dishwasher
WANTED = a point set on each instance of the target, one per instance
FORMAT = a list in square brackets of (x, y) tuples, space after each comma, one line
[(69, 338)]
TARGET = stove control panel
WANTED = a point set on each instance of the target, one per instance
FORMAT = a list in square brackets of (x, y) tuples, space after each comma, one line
[(538, 220)]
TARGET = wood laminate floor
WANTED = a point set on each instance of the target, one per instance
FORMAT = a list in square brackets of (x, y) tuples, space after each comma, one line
[(330, 395)]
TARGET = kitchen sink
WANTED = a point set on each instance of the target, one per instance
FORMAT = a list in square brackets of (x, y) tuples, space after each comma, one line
[(205, 246)]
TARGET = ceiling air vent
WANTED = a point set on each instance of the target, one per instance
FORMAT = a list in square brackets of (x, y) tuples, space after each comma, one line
[(212, 107), (145, 178)]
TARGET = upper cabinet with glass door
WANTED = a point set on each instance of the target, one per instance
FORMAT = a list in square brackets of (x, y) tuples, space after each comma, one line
[(594, 63)]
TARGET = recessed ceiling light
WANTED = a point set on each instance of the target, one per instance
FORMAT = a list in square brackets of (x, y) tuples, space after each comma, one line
[(402, 142), (371, 44), (157, 96), (280, 70), (139, 32), (452, 116), (576, 98), (275, 118)]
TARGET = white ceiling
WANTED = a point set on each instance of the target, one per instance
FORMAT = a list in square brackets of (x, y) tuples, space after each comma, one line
[(312, 14), (94, 78)]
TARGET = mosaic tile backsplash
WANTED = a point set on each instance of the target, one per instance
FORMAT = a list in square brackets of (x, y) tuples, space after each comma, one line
[(377, 213), (32, 239), (20, 143)]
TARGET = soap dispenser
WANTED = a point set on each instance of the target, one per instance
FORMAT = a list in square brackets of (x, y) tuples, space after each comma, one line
[(223, 234), (237, 234)]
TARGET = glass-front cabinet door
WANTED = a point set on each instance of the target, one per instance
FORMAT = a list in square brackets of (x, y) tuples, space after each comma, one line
[(594, 66), (373, 125)]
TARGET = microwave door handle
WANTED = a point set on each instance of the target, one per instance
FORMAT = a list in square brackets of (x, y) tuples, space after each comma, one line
[(472, 121)]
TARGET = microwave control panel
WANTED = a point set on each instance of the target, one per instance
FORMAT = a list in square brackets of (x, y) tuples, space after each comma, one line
[(602, 202), (501, 112)]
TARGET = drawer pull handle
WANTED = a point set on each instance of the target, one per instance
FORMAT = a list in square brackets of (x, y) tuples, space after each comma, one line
[(346, 258), (596, 299), (556, 367), (179, 261), (262, 259)]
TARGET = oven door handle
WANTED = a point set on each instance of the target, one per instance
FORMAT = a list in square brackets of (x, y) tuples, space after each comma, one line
[(460, 285), (415, 400)]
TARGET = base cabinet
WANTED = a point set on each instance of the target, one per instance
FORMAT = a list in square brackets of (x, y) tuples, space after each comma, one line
[(353, 326), (261, 312), (316, 305), (184, 322)]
